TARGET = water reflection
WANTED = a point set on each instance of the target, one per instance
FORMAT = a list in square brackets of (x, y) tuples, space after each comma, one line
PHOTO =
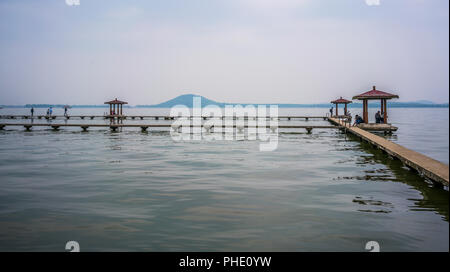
[(435, 197)]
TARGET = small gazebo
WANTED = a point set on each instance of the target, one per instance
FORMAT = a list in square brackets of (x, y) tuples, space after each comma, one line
[(116, 107), (341, 101), (373, 95)]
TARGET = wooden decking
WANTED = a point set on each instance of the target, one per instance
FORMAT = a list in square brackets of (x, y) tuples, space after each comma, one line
[(144, 127), (430, 168), (141, 117)]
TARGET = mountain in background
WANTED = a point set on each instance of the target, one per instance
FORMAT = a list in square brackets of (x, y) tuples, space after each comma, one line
[(424, 102), (187, 100)]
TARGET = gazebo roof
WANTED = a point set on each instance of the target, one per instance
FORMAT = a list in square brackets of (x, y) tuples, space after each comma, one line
[(341, 101), (115, 101), (375, 94)]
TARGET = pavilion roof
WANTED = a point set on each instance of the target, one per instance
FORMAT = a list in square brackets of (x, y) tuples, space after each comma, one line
[(115, 101), (375, 94), (341, 101)]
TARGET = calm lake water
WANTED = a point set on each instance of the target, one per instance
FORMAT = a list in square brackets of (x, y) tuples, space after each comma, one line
[(133, 191)]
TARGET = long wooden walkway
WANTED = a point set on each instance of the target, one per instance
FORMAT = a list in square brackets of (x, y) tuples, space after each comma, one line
[(142, 117), (430, 168), (144, 127)]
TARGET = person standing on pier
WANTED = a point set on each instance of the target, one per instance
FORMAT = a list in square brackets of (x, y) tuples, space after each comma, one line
[(331, 112), (65, 111), (50, 111), (378, 117), (32, 112)]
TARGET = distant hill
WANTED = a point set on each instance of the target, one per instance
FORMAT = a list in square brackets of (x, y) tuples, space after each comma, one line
[(424, 102), (187, 100)]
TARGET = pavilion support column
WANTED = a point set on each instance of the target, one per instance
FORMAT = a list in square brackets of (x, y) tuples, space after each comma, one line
[(336, 109), (345, 109), (110, 109), (385, 111), (382, 106), (121, 109), (365, 111)]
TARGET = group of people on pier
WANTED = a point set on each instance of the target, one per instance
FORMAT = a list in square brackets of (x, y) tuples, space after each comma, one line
[(381, 117), (378, 119), (49, 111)]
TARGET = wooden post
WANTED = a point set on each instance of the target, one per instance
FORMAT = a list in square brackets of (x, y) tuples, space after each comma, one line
[(366, 111), (382, 106), (336, 109), (363, 113), (345, 109), (385, 111)]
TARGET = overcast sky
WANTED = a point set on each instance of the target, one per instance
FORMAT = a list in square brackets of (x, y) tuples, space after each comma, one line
[(254, 51)]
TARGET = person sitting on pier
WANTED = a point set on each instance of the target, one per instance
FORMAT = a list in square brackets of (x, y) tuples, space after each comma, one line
[(378, 117), (358, 120)]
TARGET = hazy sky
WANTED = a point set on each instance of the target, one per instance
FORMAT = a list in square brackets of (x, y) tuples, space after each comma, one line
[(260, 51)]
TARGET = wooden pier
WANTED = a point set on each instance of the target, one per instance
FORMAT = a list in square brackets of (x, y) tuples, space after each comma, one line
[(144, 127), (142, 117), (428, 167)]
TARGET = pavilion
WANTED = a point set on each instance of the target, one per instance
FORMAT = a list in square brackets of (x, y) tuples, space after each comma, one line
[(116, 107), (373, 95), (341, 101)]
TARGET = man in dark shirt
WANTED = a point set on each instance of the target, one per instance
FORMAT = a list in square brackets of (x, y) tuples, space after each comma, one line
[(378, 117)]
